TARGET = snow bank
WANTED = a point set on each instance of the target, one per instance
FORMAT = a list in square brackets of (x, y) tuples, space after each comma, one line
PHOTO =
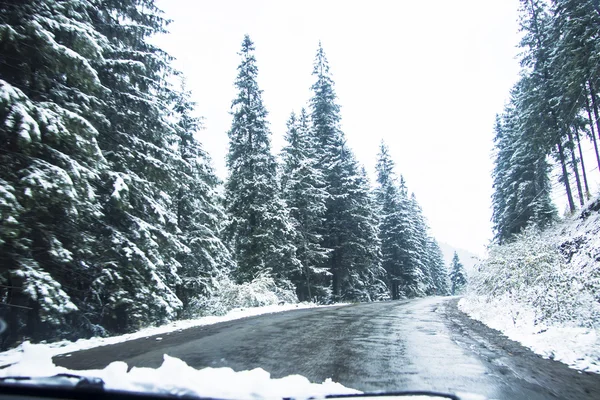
[(543, 290), (65, 346), (177, 378), (577, 347)]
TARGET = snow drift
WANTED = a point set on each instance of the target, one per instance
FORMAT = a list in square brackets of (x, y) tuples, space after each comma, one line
[(543, 290)]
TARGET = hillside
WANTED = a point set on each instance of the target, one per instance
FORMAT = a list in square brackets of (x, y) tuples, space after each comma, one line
[(543, 290)]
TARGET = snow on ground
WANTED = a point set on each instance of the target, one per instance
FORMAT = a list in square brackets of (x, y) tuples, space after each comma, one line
[(65, 346), (542, 290), (175, 377), (577, 347)]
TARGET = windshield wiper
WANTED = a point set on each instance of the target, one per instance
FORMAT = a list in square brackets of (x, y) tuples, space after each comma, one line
[(72, 381)]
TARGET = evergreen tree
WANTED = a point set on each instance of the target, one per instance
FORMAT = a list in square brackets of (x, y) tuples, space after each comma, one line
[(362, 247), (391, 223), (413, 276), (458, 277), (303, 191), (205, 260), (350, 229), (259, 229), (543, 123), (403, 233), (50, 165), (437, 268), (419, 233), (554, 100), (140, 242), (521, 176), (93, 163)]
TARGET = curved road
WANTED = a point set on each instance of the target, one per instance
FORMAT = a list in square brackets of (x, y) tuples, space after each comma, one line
[(421, 344)]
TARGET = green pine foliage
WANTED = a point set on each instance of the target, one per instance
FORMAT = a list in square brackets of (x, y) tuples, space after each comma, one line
[(458, 277), (303, 189), (259, 229), (205, 260), (437, 268), (350, 229), (50, 164), (105, 193), (552, 109), (414, 268)]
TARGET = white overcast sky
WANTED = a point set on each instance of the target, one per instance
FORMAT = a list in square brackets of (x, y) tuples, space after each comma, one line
[(428, 77)]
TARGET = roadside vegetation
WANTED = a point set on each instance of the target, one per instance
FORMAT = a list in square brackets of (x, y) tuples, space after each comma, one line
[(540, 283), (543, 289)]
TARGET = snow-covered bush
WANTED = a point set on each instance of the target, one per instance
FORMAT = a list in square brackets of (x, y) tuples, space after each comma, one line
[(262, 291), (532, 278)]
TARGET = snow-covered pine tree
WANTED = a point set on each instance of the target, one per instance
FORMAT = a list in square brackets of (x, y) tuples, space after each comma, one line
[(521, 177), (348, 228), (539, 96), (390, 221), (206, 261), (437, 268), (403, 233), (367, 275), (140, 246), (419, 233), (413, 277), (259, 229), (458, 277), (90, 170), (303, 189), (50, 166)]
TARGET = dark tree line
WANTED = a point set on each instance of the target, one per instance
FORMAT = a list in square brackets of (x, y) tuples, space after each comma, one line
[(553, 109), (111, 216)]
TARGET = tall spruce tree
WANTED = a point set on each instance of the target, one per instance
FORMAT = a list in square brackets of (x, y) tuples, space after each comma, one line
[(413, 275), (140, 241), (437, 268), (50, 165), (303, 189), (93, 159), (522, 190), (205, 260), (349, 225), (362, 247), (391, 223), (419, 232), (458, 277), (259, 229)]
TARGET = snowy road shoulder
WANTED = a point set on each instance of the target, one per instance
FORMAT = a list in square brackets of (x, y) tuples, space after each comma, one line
[(57, 348), (175, 377), (577, 347)]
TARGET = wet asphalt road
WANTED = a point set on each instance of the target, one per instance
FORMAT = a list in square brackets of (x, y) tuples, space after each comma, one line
[(424, 344)]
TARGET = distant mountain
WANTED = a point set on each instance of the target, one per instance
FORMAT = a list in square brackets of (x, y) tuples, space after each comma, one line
[(468, 259)]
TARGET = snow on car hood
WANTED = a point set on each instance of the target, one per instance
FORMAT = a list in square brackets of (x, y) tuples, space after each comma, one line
[(174, 376)]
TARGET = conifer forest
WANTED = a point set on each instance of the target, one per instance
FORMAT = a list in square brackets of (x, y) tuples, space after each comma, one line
[(553, 114), (113, 219)]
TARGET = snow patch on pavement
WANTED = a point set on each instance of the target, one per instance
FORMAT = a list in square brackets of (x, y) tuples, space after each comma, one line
[(577, 347), (177, 378), (65, 346)]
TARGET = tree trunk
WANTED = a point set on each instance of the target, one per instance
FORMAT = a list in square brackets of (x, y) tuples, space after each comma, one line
[(566, 177), (589, 112), (595, 107), (583, 172), (307, 272), (575, 169)]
